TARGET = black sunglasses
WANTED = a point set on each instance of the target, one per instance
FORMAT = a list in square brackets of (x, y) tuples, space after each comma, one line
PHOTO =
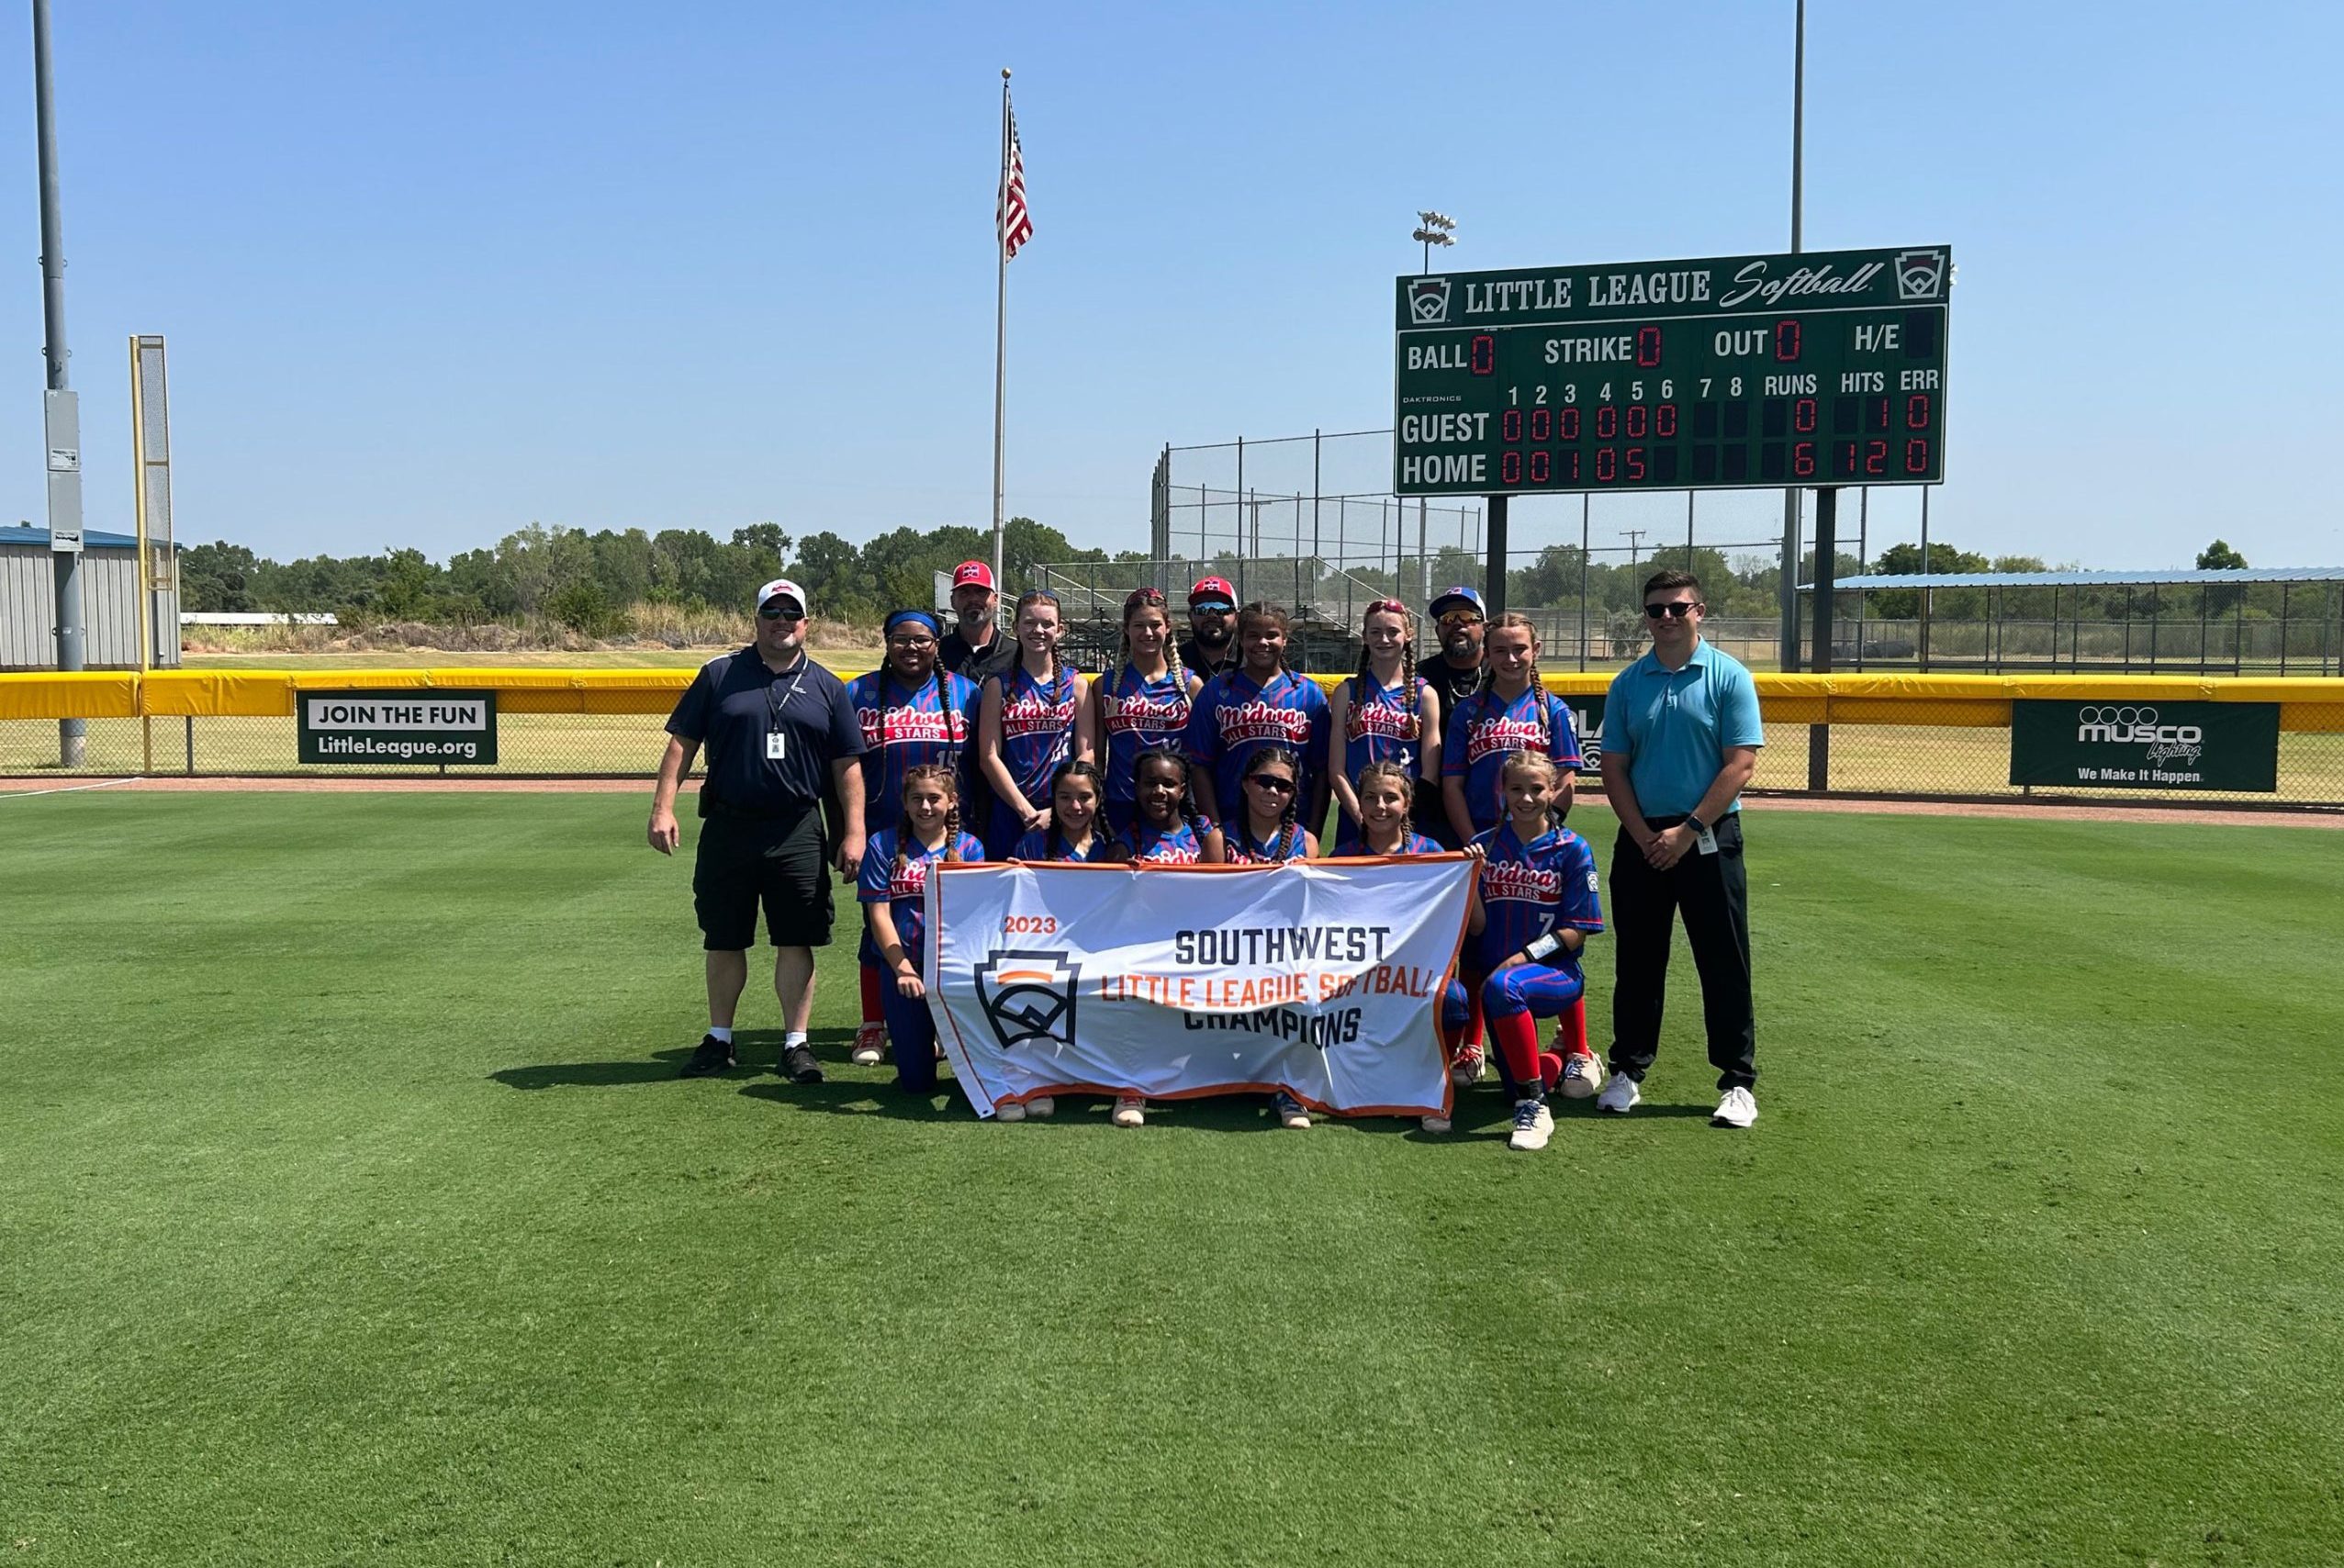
[(1282, 786), (768, 612), (1674, 610)]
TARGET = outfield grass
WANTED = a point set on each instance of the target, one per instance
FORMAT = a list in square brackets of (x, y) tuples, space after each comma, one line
[(351, 1212)]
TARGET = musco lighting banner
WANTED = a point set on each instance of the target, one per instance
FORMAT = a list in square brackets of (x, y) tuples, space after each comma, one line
[(1320, 977), (2145, 745)]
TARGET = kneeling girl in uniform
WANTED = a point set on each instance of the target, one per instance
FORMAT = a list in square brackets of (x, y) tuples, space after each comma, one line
[(1535, 905), (1076, 832), (1385, 792), (1269, 831), (893, 889), (1166, 830)]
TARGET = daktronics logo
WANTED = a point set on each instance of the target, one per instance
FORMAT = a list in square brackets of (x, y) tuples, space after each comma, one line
[(2138, 726)]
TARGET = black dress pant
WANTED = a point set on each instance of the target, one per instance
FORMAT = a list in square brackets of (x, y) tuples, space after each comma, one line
[(1712, 892)]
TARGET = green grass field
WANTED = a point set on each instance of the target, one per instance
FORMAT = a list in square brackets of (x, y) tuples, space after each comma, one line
[(351, 1213)]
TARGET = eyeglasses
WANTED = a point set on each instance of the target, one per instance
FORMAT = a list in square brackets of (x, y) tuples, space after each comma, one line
[(1459, 618), (922, 640), (786, 613), (1676, 609), (1271, 782)]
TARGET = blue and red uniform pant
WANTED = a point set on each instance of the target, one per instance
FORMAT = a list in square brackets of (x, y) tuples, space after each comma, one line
[(1508, 1001), (911, 1032)]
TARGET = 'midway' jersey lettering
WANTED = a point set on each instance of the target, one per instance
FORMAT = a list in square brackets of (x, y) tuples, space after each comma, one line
[(1486, 727), (1235, 718), (1180, 846), (1036, 728), (1381, 725), (1140, 713), (1528, 890), (904, 729), (904, 889)]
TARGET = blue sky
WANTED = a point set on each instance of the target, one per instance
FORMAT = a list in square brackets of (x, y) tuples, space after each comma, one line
[(430, 272)]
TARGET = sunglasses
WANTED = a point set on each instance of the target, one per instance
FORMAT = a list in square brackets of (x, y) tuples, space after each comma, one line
[(791, 612), (1269, 781), (1459, 618), (1215, 609), (1677, 610), (1384, 607)]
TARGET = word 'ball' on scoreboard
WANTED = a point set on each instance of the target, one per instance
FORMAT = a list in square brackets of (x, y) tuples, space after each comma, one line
[(1826, 368)]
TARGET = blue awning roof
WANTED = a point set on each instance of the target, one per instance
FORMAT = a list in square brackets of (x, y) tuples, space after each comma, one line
[(17, 534), (2080, 579)]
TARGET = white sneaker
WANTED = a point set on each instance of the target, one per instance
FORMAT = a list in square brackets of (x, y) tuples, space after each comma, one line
[(1041, 1107), (1436, 1124), (1291, 1113), (1620, 1093), (1582, 1075), (868, 1041), (1468, 1069), (1010, 1111), (1130, 1111), (1533, 1124), (1737, 1108)]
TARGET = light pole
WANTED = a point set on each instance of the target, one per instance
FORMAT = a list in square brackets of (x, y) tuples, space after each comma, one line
[(60, 413), (1434, 229)]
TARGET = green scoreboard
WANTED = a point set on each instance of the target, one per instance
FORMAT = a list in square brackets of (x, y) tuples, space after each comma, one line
[(1827, 368)]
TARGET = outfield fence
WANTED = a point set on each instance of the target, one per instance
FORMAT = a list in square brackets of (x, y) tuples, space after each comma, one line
[(1915, 736)]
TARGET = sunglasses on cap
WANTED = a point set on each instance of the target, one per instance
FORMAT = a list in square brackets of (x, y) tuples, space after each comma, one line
[(1676, 609), (780, 612)]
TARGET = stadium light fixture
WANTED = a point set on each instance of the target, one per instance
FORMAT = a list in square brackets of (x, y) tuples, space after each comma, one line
[(1434, 229)]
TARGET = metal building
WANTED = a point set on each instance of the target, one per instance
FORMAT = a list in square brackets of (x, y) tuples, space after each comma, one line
[(109, 603)]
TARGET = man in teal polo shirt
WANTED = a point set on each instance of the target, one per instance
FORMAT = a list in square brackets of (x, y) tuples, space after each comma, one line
[(1680, 738)]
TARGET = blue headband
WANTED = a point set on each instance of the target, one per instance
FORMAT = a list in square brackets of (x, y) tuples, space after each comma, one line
[(921, 616)]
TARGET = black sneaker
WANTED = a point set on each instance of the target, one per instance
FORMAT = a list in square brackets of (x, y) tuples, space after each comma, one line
[(714, 1055), (798, 1065)]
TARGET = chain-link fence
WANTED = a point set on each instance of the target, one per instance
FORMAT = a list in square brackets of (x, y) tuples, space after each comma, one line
[(1869, 748)]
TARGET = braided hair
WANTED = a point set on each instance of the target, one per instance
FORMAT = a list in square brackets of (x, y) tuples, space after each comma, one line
[(1058, 674), (1075, 767), (1410, 698), (922, 773), (1487, 688), (1289, 827), (1135, 602), (1386, 770), (1172, 755), (887, 668)]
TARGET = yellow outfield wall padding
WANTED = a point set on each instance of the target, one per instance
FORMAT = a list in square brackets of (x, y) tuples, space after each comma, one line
[(2307, 704)]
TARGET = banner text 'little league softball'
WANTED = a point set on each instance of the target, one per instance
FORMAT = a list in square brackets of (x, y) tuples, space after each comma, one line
[(1320, 977)]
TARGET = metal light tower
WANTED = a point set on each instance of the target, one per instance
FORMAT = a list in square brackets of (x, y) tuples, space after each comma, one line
[(1434, 229), (62, 416)]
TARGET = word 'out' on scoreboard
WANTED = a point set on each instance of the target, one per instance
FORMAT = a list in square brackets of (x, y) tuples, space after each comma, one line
[(1822, 368)]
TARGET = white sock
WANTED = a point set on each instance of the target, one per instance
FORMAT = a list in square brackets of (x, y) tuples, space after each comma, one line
[(793, 1037), (725, 1033)]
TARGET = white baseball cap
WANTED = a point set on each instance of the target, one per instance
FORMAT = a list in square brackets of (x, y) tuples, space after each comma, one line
[(782, 587)]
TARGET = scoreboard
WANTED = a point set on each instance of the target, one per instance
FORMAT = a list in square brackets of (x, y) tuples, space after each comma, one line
[(1826, 368)]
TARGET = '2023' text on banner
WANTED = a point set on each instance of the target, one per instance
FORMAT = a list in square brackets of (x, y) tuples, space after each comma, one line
[(1321, 978)]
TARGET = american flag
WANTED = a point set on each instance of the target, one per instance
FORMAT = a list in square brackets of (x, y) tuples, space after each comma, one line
[(1016, 225)]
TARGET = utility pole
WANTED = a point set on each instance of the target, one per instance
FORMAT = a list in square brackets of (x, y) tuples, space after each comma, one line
[(1790, 585), (1634, 536), (61, 417)]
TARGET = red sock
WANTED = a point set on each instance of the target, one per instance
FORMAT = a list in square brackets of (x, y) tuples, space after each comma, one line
[(1572, 1031), (1516, 1035), (871, 1014), (1550, 1069)]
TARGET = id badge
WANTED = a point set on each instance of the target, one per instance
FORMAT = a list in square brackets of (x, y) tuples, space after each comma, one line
[(1705, 840), (776, 749)]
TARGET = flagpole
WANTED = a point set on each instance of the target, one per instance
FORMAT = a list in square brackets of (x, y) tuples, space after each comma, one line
[(1000, 318)]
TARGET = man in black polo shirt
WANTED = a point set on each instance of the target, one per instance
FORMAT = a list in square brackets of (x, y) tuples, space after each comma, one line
[(1459, 619), (974, 647), (1211, 647), (781, 739)]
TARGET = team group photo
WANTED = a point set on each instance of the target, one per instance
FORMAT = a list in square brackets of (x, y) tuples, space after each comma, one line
[(1267, 645)]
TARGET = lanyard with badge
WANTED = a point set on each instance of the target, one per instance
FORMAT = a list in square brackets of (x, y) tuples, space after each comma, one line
[(777, 740)]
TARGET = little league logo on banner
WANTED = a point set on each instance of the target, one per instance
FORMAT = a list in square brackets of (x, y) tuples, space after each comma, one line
[(1321, 978)]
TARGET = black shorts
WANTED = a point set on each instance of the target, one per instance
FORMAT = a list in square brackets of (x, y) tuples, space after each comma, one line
[(780, 863)]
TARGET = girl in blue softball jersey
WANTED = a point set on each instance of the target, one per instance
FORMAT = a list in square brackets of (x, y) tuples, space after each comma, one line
[(1034, 715), (893, 889)]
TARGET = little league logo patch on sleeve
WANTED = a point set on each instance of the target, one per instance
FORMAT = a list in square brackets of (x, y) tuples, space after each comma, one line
[(1028, 996)]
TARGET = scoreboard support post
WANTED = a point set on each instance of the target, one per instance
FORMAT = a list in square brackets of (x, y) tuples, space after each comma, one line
[(1819, 737), (1492, 571)]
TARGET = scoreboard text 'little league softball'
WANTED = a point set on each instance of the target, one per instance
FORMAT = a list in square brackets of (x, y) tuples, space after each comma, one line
[(1823, 368)]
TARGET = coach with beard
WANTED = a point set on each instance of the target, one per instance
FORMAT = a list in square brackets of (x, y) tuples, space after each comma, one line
[(1211, 647)]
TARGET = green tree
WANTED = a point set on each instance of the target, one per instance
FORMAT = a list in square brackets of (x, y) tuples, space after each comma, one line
[(216, 577), (2219, 557)]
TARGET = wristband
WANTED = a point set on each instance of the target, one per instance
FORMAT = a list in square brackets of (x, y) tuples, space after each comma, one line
[(1539, 948), (1696, 824)]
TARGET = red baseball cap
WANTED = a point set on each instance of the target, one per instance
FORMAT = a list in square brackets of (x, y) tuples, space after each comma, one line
[(1212, 588), (976, 574)]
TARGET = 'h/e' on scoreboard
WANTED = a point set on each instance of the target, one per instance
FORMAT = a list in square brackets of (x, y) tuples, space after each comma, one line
[(1826, 368)]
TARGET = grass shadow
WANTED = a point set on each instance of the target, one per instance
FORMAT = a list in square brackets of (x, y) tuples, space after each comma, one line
[(756, 1049)]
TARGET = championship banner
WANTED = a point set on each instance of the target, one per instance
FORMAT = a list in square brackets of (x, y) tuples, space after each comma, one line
[(1320, 977)]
